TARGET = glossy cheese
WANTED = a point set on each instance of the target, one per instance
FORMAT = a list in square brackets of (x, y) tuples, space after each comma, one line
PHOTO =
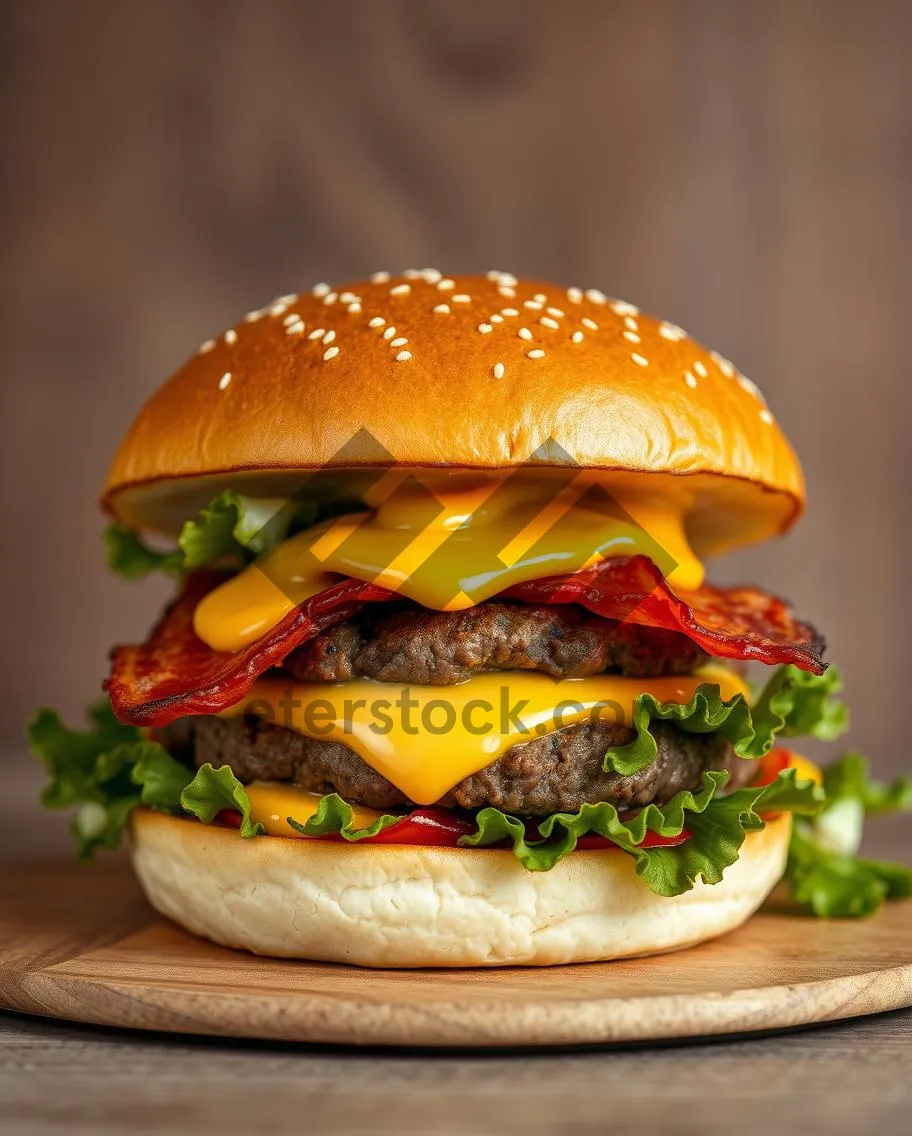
[(450, 545), (426, 739), (272, 802)]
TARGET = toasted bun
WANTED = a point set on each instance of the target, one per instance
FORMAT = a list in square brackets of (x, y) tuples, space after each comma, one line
[(407, 906), (476, 372)]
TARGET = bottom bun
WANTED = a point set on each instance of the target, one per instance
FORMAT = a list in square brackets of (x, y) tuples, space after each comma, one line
[(409, 906)]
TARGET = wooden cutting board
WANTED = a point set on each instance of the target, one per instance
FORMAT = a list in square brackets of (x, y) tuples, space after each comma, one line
[(81, 943)]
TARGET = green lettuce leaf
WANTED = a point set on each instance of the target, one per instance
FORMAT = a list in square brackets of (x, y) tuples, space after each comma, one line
[(792, 702), (213, 790), (824, 872), (231, 530), (334, 815), (109, 769), (718, 825)]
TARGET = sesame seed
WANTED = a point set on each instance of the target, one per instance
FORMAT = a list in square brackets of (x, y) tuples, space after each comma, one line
[(671, 331), (293, 318), (288, 299), (461, 298), (509, 312), (700, 368), (380, 277), (354, 308), (496, 318), (442, 309), (253, 316), (524, 333), (590, 323), (508, 279), (376, 321), (207, 346), (507, 292), (596, 296), (689, 379), (330, 353), (294, 328), (541, 297), (446, 284), (277, 308), (330, 298), (400, 342), (750, 387), (547, 321), (630, 323), (577, 337), (389, 333), (412, 274), (534, 305), (403, 356), (723, 364), (492, 274), (431, 275), (320, 289), (348, 298), (400, 289), (766, 417), (224, 380), (231, 335), (329, 337), (317, 333), (632, 336), (485, 328), (622, 308), (499, 370), (536, 354), (640, 360), (556, 312), (575, 295)]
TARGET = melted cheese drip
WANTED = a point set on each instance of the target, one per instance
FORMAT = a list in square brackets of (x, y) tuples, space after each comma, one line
[(426, 739), (451, 544)]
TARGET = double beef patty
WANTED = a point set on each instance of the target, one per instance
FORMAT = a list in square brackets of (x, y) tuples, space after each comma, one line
[(556, 772)]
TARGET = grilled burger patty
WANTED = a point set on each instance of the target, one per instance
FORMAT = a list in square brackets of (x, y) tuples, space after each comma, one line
[(441, 647), (554, 773)]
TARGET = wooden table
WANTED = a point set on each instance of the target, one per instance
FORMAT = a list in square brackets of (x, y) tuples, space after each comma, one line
[(78, 1080)]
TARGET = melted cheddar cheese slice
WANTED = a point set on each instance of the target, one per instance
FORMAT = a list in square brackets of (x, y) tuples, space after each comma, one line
[(450, 545), (426, 739)]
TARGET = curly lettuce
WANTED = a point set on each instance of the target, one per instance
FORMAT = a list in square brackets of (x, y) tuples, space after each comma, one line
[(792, 703), (109, 769), (824, 872), (230, 531)]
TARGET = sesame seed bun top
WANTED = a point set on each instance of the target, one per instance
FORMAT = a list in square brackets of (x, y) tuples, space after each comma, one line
[(473, 372)]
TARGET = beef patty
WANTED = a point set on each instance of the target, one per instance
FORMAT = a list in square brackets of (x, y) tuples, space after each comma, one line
[(554, 773), (442, 647)]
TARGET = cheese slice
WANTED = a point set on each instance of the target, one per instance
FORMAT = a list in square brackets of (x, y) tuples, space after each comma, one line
[(272, 802), (426, 739), (451, 544)]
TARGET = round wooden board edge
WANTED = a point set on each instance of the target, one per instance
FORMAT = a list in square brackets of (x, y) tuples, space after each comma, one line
[(322, 1019)]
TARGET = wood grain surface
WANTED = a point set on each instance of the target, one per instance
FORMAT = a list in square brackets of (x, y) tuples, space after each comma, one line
[(80, 943)]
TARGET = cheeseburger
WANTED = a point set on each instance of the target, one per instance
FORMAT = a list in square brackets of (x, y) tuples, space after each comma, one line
[(443, 682)]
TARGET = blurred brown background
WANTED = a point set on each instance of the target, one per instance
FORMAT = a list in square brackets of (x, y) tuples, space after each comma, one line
[(743, 169)]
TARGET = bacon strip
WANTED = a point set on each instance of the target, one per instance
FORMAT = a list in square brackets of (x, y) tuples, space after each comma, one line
[(174, 674), (729, 623)]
